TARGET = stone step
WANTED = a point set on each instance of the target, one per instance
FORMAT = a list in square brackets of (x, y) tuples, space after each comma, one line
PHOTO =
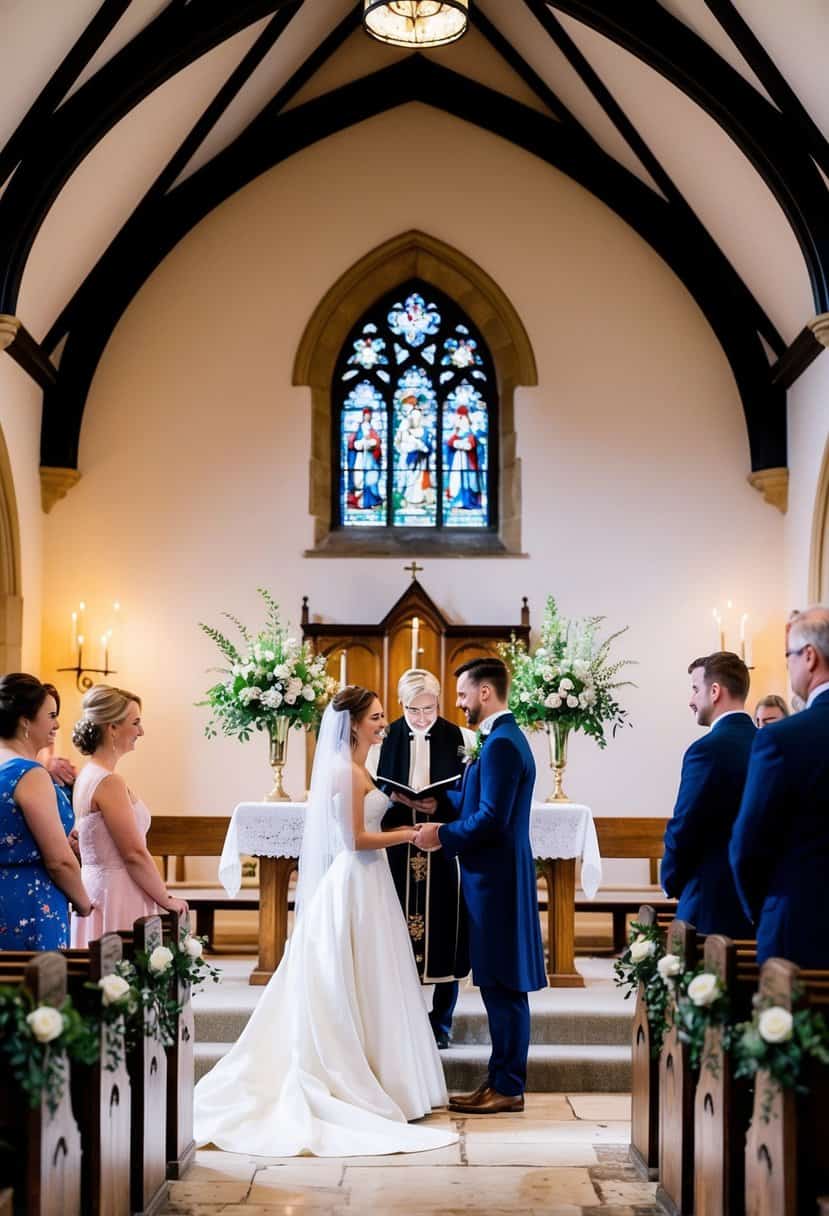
[(566, 1024), (567, 1068)]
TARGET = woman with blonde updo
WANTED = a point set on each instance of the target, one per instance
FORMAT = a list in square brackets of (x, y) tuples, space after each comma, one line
[(117, 869)]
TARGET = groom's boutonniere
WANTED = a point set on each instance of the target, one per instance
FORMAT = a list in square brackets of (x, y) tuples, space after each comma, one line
[(470, 752)]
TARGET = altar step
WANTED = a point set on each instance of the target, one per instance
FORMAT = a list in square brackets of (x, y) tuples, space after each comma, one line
[(580, 1038)]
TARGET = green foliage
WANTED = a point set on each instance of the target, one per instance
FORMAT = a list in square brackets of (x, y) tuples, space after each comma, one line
[(693, 1021), (781, 1062), (631, 972), (273, 675), (39, 1068), (568, 678)]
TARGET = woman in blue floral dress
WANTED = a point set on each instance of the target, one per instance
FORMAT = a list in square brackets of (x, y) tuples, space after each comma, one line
[(39, 873)]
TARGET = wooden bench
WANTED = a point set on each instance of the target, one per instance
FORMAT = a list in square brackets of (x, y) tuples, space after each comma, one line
[(47, 1162), (644, 1114), (786, 1158), (181, 1147), (628, 840)]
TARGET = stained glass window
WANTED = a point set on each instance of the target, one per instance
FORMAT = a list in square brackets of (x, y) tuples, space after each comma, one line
[(414, 389)]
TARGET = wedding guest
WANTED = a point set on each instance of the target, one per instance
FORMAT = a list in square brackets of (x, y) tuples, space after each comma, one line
[(113, 822), (695, 868), (771, 709), (780, 846), (421, 748), (39, 874)]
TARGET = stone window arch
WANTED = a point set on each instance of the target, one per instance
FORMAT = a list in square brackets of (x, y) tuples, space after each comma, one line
[(414, 256)]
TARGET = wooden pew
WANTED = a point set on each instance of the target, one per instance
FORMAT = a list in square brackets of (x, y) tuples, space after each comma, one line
[(722, 1106), (147, 1063), (644, 1115), (181, 1147), (676, 1096), (786, 1157), (629, 839), (49, 1161)]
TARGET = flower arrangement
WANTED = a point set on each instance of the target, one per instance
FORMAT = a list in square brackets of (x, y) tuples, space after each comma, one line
[(645, 962), (568, 679), (149, 982), (34, 1038), (273, 676), (703, 1001), (779, 1042)]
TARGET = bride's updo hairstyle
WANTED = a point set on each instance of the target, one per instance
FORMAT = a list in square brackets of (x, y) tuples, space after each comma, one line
[(358, 701), (102, 706)]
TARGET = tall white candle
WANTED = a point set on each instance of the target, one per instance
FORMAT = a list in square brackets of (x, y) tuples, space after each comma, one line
[(415, 641), (343, 670)]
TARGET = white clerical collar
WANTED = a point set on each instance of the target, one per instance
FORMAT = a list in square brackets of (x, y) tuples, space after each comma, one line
[(816, 692), (729, 713), (488, 723)]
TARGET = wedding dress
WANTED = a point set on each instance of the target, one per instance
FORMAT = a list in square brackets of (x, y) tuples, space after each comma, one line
[(339, 1053)]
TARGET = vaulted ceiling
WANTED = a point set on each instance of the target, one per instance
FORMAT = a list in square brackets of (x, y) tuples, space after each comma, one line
[(702, 123)]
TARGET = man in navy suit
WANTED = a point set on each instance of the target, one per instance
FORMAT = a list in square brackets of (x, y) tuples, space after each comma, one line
[(695, 867), (780, 845), (491, 837)]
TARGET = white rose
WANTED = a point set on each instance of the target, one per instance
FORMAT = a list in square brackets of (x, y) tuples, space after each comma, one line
[(282, 671), (565, 685), (160, 959), (669, 965), (290, 698), (45, 1023), (192, 946), (114, 988), (269, 655), (548, 674), (525, 697), (580, 668), (308, 693), (704, 989), (572, 702), (640, 949), (775, 1025), (553, 701)]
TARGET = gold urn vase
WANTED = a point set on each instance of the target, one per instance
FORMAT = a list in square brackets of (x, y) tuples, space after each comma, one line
[(278, 755), (557, 735)]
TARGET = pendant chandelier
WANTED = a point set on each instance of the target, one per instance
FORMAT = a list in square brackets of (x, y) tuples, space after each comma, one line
[(416, 23)]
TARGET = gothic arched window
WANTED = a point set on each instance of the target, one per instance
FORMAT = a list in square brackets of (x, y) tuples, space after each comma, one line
[(415, 419)]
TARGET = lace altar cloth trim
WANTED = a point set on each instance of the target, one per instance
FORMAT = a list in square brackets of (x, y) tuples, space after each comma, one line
[(274, 829)]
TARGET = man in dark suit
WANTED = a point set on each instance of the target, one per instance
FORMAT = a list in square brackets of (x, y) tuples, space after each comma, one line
[(695, 867), (491, 837), (780, 844)]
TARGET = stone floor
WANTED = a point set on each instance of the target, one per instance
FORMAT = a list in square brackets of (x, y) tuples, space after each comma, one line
[(566, 1155)]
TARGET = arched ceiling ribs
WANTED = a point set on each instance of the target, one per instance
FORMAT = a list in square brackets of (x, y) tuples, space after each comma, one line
[(763, 134), (141, 246), (179, 35)]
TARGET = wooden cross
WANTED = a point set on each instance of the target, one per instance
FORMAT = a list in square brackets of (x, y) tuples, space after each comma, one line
[(414, 569)]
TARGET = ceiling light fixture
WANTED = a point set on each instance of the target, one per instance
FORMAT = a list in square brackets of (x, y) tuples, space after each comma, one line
[(416, 24)]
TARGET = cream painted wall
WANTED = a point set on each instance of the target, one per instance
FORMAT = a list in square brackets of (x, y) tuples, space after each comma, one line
[(20, 408), (194, 450), (808, 425)]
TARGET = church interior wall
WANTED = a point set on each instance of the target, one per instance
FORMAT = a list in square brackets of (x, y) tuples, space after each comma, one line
[(808, 429), (20, 410), (194, 454)]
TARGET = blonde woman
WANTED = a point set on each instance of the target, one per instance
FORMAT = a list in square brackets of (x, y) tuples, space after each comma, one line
[(117, 869)]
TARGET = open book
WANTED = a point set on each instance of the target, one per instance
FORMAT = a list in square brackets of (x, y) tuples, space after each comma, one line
[(428, 791)]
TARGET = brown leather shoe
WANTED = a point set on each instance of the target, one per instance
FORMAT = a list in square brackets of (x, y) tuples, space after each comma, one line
[(491, 1102), (457, 1101)]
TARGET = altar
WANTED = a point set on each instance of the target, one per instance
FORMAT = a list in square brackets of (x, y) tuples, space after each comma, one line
[(560, 833)]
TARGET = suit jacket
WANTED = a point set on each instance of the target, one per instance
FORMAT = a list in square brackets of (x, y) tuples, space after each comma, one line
[(491, 837), (695, 867), (780, 845)]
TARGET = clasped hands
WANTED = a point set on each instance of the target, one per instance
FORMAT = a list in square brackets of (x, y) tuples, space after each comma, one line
[(426, 837)]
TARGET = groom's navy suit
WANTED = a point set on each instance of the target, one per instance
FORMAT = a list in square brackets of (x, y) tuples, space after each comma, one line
[(491, 838)]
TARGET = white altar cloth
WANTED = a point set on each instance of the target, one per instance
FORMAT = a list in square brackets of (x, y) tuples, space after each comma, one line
[(274, 829)]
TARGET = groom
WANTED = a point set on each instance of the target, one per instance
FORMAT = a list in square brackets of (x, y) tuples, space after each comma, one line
[(491, 837)]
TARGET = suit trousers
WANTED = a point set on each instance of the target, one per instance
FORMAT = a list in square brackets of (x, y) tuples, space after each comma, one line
[(508, 1012)]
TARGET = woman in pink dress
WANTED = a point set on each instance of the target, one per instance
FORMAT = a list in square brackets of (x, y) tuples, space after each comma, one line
[(118, 871)]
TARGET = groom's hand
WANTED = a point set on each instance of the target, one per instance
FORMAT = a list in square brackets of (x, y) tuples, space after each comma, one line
[(427, 837)]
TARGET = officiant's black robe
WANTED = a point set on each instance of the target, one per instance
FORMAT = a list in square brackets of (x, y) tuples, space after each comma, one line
[(428, 884)]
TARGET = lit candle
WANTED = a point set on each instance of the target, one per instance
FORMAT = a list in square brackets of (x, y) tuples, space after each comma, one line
[(720, 630), (743, 620), (80, 649), (343, 671), (415, 641), (74, 632), (105, 643)]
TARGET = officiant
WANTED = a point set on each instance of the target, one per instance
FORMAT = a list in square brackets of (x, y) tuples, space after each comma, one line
[(420, 749)]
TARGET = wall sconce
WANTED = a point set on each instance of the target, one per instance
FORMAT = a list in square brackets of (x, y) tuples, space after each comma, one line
[(83, 673)]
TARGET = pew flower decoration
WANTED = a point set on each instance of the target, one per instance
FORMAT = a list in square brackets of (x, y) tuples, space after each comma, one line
[(569, 678), (702, 1002), (643, 963), (36, 1041), (151, 977), (778, 1043), (272, 676), (115, 992)]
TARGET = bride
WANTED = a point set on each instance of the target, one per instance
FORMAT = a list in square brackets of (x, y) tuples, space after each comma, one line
[(339, 1054)]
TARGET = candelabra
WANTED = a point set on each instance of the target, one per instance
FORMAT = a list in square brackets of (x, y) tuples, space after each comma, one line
[(83, 672)]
